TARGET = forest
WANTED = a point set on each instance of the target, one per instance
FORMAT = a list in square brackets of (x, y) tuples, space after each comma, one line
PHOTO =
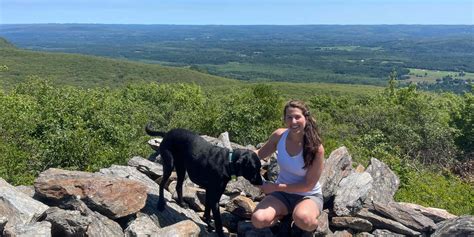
[(351, 54)]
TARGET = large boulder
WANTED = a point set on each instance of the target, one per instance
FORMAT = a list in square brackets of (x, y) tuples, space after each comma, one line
[(17, 207), (336, 167), (351, 193), (383, 223), (406, 216), (113, 197), (435, 214), (460, 226), (77, 223), (172, 214), (385, 182)]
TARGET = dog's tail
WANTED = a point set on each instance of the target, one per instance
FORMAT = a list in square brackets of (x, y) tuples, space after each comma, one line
[(149, 131)]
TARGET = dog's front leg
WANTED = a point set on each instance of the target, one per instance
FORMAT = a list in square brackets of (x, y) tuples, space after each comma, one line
[(214, 204)]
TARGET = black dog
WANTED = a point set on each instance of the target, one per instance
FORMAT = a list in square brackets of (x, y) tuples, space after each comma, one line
[(208, 166)]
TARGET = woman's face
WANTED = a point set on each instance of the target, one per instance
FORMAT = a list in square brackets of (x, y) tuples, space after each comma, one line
[(295, 120)]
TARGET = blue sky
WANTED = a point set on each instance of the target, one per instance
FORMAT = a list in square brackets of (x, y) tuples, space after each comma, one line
[(238, 12)]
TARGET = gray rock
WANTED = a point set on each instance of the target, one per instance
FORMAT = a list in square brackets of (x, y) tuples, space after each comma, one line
[(354, 223), (17, 207), (244, 187), (77, 223), (384, 223), (340, 233), (245, 228), (273, 169), (406, 216), (151, 169), (386, 233), (351, 193), (323, 225), (459, 226), (42, 229), (363, 234), (143, 225), (435, 214), (3, 222), (385, 182), (28, 190), (336, 167), (155, 143)]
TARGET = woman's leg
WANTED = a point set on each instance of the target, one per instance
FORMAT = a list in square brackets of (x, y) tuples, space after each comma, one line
[(305, 214), (268, 211)]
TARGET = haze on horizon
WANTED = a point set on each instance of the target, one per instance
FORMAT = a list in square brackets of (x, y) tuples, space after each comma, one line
[(242, 12)]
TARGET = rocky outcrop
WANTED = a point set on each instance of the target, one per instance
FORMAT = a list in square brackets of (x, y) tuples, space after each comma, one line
[(122, 201)]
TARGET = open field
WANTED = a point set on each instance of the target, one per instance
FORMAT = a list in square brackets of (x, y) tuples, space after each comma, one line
[(430, 76)]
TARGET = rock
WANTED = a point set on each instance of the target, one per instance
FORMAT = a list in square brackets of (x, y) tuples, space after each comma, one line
[(273, 169), (113, 197), (386, 233), (224, 140), (230, 221), (341, 233), (354, 223), (192, 198), (323, 225), (336, 167), (406, 216), (3, 222), (385, 182), (172, 214), (364, 234), (143, 225), (351, 193), (77, 223), (241, 206), (151, 169), (42, 229), (384, 223), (435, 214), (245, 228), (243, 186), (17, 207), (459, 226), (28, 190), (182, 228), (155, 143), (217, 142), (360, 169)]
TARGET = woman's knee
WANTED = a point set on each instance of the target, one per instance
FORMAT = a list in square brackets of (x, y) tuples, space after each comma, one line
[(261, 219), (305, 220)]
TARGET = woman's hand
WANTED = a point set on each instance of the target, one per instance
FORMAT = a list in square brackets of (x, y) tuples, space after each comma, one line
[(269, 187)]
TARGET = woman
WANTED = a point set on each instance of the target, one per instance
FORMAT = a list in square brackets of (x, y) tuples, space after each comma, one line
[(300, 156)]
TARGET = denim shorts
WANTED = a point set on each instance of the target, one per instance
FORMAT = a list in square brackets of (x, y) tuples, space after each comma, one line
[(290, 199)]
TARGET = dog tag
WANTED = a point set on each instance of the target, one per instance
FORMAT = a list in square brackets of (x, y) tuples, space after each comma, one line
[(233, 178)]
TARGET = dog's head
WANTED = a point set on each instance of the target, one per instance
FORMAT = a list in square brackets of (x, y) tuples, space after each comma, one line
[(248, 165)]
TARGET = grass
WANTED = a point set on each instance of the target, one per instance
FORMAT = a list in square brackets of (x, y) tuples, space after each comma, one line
[(430, 76)]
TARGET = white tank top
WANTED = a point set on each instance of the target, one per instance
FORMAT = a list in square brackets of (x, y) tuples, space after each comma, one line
[(291, 167)]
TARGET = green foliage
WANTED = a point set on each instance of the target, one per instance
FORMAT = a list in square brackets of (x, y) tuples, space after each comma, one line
[(43, 126), (429, 188), (251, 115)]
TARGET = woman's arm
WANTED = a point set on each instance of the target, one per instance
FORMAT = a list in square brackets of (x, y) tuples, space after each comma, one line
[(312, 177), (270, 146)]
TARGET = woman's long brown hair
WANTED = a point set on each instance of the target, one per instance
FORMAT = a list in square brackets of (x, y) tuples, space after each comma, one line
[(312, 138)]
